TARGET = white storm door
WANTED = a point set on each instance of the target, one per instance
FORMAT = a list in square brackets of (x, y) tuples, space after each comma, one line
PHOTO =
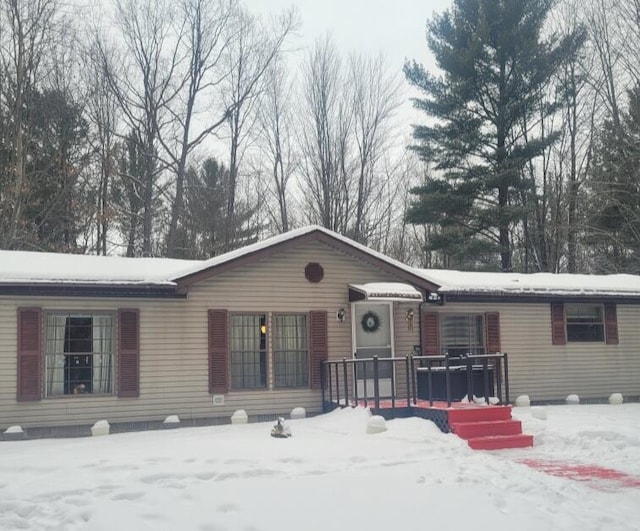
[(373, 336)]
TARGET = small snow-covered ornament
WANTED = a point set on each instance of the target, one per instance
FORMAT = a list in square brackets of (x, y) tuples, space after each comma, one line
[(280, 430), (13, 433), (479, 400), (101, 427), (376, 424), (616, 399), (573, 400), (239, 417), (171, 422), (298, 413), (523, 401)]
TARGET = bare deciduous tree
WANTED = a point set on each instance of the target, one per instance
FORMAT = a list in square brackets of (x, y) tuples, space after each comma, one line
[(142, 77), (276, 141), (375, 96), (207, 37), (345, 139), (324, 133), (248, 57)]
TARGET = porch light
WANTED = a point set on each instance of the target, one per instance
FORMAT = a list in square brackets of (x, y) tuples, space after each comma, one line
[(340, 315)]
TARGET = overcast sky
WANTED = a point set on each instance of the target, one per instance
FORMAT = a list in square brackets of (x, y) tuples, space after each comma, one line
[(394, 27)]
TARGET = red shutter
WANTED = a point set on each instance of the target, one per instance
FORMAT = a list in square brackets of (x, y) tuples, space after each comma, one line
[(492, 323), (430, 334), (611, 324), (319, 345), (558, 329), (218, 351), (128, 353), (29, 354)]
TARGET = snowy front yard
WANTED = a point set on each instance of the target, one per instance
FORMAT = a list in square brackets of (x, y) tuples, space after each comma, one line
[(330, 475)]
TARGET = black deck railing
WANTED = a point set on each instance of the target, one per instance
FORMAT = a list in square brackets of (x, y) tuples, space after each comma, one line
[(443, 378)]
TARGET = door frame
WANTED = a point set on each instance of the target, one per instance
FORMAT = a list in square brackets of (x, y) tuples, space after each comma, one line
[(354, 341)]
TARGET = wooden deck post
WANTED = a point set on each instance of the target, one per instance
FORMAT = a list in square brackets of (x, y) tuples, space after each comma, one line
[(447, 378), (322, 386), (407, 376), (506, 378), (413, 381), (346, 381), (376, 383)]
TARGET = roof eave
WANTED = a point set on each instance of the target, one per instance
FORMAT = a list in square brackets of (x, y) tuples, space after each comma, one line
[(540, 297), (88, 289)]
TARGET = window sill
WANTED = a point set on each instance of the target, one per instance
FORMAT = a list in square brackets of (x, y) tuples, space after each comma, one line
[(75, 397)]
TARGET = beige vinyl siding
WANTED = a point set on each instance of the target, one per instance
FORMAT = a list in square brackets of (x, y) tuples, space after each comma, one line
[(551, 372), (405, 340), (278, 285), (174, 342)]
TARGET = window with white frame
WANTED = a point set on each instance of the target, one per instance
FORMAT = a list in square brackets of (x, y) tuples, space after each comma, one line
[(290, 351), (248, 351), (79, 353), (585, 322), (462, 334)]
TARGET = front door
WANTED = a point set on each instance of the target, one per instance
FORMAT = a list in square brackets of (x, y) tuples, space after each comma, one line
[(373, 336)]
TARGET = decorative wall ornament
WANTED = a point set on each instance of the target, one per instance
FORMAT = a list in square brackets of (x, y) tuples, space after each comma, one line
[(370, 322), (410, 315), (314, 272)]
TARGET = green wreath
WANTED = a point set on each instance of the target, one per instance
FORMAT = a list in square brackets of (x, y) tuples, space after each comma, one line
[(370, 322)]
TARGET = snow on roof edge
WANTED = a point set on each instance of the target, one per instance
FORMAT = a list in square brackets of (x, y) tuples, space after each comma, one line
[(532, 284), (63, 269), (82, 282)]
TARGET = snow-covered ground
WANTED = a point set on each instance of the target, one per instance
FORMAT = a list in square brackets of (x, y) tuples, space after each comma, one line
[(330, 475)]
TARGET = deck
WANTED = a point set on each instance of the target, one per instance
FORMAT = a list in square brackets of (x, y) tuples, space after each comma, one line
[(434, 388)]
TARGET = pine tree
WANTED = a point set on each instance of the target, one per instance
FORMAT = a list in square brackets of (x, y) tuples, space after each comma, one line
[(494, 65), (57, 204), (201, 228), (614, 226)]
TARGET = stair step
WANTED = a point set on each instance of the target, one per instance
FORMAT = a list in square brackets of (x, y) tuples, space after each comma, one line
[(478, 414), (500, 442), (469, 430)]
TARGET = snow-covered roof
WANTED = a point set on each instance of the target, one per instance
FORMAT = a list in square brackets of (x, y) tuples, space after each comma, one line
[(42, 268), (18, 267), (466, 282), (22, 267), (388, 291)]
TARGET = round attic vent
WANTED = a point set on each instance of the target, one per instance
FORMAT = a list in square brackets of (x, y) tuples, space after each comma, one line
[(314, 272)]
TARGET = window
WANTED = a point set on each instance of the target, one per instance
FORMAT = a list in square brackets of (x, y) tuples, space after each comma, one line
[(584, 322), (79, 354), (462, 334), (290, 351), (248, 351)]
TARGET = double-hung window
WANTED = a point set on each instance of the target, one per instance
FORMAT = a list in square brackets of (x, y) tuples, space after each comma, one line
[(462, 334), (248, 351), (79, 353), (290, 351), (585, 322)]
